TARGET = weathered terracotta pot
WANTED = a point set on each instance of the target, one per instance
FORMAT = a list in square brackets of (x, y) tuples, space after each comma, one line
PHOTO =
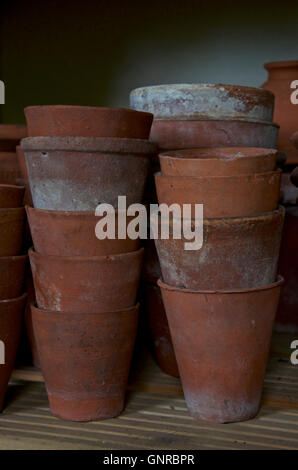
[(221, 341), (204, 101), (11, 312), (281, 75), (10, 136), (222, 196), (86, 284), (159, 329), (11, 196), (173, 135), (92, 352), (12, 270), (101, 169), (73, 234), (237, 253), (24, 173), (87, 121), (287, 315), (11, 231), (217, 161)]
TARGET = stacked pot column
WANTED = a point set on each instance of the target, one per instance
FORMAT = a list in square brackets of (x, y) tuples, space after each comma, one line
[(12, 269), (85, 320), (196, 116), (221, 298), (281, 81)]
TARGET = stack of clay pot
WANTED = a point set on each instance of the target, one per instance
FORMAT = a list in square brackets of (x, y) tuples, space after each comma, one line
[(85, 320), (12, 268), (195, 116), (220, 300), (282, 81)]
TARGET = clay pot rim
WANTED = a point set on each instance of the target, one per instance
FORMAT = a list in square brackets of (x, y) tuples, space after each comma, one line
[(164, 286), (64, 312), (238, 219), (249, 152), (12, 209), (84, 214), (13, 257), (197, 86), (281, 64), (91, 259), (16, 299), (85, 108), (190, 119), (89, 144), (227, 177)]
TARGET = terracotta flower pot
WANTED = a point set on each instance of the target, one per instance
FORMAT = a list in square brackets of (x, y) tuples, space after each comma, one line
[(11, 312), (222, 196), (221, 341), (204, 101), (11, 231), (159, 329), (287, 315), (173, 135), (237, 253), (87, 121), (217, 161), (73, 234), (11, 196), (12, 270), (10, 136), (151, 268), (86, 284), (101, 169), (85, 360), (281, 75)]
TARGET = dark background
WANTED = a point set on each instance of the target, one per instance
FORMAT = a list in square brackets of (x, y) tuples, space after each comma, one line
[(94, 52)]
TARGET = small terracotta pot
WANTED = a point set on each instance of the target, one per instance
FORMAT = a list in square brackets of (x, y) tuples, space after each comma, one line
[(173, 135), (10, 136), (237, 253), (12, 270), (85, 360), (11, 196), (204, 101), (281, 75), (159, 329), (86, 284), (11, 312), (221, 341), (217, 161), (287, 315), (73, 234), (87, 121), (101, 169), (11, 231), (222, 196)]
